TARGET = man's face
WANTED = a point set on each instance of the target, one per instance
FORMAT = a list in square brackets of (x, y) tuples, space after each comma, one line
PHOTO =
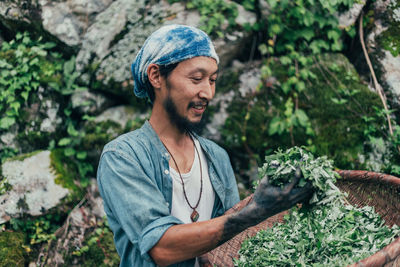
[(189, 88)]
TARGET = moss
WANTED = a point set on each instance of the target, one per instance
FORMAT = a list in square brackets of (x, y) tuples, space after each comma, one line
[(390, 39), (24, 156), (339, 128), (66, 174), (98, 249), (11, 250), (102, 253)]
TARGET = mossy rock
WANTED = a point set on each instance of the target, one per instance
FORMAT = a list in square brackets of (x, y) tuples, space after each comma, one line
[(338, 128), (67, 174), (97, 250), (11, 251)]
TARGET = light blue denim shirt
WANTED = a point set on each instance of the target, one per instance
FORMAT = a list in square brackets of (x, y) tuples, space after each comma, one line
[(136, 186)]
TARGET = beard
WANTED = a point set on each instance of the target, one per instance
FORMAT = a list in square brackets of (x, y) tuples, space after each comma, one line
[(182, 123)]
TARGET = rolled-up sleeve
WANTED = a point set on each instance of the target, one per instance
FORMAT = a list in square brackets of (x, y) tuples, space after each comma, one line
[(132, 198)]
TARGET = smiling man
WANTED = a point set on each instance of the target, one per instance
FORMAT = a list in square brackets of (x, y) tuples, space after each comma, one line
[(165, 189)]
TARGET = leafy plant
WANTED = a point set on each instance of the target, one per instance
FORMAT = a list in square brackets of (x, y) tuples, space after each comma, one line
[(326, 233), (213, 15), (305, 25), (39, 229), (98, 248), (24, 65)]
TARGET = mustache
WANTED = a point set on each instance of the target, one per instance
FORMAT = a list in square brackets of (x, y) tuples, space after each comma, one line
[(198, 103)]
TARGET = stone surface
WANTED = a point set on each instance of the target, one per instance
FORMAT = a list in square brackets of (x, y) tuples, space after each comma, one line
[(33, 188), (391, 75), (248, 82), (58, 20), (120, 115), (349, 17), (68, 20), (86, 102), (389, 65), (50, 123), (108, 34)]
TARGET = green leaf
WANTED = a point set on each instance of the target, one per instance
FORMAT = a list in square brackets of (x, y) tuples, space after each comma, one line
[(275, 126), (6, 122), (301, 117), (71, 130), (64, 141), (339, 101), (69, 151), (15, 106), (307, 33), (81, 155)]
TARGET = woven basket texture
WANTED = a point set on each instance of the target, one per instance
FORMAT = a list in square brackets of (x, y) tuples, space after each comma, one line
[(364, 188)]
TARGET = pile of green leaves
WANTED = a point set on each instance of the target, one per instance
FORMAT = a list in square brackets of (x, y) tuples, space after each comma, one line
[(328, 233), (281, 167)]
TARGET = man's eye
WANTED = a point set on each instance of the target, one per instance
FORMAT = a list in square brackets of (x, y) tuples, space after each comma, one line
[(197, 79)]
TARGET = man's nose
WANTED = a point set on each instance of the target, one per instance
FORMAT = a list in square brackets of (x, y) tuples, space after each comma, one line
[(207, 91)]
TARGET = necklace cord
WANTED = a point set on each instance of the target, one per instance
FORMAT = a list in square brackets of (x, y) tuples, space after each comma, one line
[(180, 175)]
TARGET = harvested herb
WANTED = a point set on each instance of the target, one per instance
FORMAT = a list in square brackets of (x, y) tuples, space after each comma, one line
[(328, 232)]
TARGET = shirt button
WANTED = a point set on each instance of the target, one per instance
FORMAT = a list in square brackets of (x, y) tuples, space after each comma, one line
[(166, 171)]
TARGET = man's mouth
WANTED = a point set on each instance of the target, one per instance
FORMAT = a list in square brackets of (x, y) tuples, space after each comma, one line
[(198, 106)]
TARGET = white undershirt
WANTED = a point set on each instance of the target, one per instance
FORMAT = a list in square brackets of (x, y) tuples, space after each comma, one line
[(180, 209)]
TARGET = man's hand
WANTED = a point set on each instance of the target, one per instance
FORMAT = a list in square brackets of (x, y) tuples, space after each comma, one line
[(269, 200)]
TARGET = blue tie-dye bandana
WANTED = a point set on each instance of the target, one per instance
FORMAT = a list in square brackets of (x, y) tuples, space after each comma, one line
[(168, 45)]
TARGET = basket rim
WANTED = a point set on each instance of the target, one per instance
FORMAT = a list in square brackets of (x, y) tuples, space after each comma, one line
[(392, 250)]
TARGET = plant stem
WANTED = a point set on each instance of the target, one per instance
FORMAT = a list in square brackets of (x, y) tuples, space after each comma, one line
[(377, 86)]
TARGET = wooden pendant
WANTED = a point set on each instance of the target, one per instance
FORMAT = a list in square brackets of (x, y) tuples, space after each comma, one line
[(195, 216)]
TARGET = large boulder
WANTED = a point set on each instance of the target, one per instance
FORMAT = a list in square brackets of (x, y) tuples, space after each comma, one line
[(31, 187), (383, 44), (108, 34)]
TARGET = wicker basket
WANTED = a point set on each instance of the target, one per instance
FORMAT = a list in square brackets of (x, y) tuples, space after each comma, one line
[(363, 188)]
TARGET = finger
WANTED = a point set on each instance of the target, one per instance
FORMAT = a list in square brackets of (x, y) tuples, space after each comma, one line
[(298, 195), (265, 181), (296, 179)]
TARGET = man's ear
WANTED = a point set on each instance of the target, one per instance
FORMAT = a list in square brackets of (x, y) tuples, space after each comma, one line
[(153, 73)]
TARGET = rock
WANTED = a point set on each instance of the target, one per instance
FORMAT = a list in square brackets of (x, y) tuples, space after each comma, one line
[(86, 102), (14, 11), (391, 74), (83, 222), (116, 35), (121, 15), (218, 120), (69, 20), (248, 82), (50, 123), (349, 17), (33, 188), (383, 44), (7, 140), (120, 115), (264, 8), (59, 21)]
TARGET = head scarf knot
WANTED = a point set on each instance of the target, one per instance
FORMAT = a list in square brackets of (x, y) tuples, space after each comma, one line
[(168, 45)]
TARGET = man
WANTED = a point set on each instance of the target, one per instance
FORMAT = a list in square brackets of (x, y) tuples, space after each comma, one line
[(165, 189)]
